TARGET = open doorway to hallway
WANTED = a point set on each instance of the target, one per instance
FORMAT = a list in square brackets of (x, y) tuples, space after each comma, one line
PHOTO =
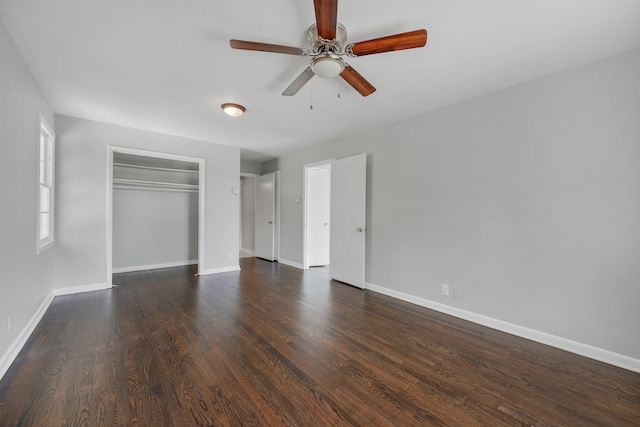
[(247, 215), (317, 211)]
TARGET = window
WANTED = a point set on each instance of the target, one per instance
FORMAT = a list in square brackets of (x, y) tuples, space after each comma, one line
[(46, 162)]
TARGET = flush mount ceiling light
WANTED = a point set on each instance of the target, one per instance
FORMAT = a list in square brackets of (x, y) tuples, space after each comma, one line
[(233, 110)]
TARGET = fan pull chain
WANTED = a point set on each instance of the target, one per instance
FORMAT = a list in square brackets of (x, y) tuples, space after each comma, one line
[(311, 96), (339, 87)]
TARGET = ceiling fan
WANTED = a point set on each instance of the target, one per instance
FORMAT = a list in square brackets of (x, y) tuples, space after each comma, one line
[(328, 47)]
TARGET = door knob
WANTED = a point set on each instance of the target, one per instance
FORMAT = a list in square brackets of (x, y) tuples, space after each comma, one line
[(326, 223), (360, 229), (270, 222)]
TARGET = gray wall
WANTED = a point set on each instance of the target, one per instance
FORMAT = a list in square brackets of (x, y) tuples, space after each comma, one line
[(248, 166), (154, 227), (270, 166), (527, 200), (248, 212), (25, 278), (80, 256)]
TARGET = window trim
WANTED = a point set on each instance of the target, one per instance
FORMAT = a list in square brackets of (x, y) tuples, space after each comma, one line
[(44, 129)]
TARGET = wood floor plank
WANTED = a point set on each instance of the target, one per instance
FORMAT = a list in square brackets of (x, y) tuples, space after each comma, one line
[(273, 345)]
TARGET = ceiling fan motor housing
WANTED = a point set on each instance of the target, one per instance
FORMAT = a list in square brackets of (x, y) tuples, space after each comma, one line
[(326, 62), (320, 45)]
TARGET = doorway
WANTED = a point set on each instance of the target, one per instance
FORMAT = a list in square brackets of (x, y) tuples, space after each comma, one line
[(317, 212), (247, 215)]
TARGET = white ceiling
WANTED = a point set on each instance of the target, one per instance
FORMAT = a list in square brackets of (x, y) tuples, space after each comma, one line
[(166, 65)]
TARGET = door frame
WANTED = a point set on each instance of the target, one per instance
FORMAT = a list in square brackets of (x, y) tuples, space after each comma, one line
[(111, 149), (305, 194)]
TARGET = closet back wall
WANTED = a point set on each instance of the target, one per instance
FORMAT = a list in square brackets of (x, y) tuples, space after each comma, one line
[(155, 214), (154, 229)]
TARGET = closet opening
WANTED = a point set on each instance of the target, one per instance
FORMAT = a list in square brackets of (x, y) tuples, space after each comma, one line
[(155, 209)]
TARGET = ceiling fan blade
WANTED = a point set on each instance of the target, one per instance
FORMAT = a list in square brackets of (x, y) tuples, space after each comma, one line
[(356, 80), (267, 47), (409, 40), (300, 81), (326, 18)]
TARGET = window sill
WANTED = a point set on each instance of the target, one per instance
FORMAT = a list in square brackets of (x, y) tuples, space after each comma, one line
[(44, 245)]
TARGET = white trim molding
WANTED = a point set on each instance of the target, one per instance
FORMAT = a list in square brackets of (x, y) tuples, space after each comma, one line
[(581, 349), (154, 266), (290, 263), (219, 270), (82, 288), (14, 349)]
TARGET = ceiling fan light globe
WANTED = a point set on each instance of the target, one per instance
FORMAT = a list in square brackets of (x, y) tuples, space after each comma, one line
[(328, 67)]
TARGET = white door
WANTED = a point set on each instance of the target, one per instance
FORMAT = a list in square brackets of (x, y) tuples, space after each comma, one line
[(348, 219), (318, 215), (265, 216)]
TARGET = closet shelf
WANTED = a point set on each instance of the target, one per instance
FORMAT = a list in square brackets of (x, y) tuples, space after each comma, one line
[(135, 184), (156, 168)]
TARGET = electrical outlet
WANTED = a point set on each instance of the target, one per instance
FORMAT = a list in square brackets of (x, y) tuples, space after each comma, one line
[(230, 256), (9, 323), (445, 289), (456, 293)]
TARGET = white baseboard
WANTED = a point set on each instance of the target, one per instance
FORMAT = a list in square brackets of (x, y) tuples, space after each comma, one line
[(79, 289), (154, 266), (291, 263), (591, 352), (10, 355), (219, 270), (247, 252)]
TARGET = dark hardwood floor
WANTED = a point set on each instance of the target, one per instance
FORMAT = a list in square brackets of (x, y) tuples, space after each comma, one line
[(273, 345)]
